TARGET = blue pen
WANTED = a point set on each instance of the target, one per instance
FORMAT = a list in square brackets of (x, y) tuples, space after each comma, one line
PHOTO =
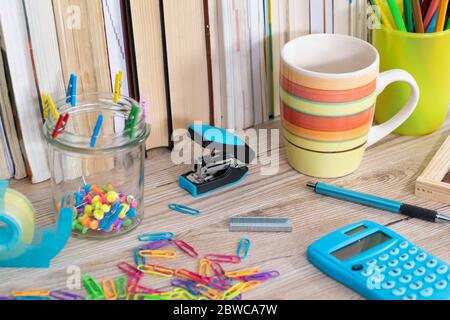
[(97, 129), (379, 203)]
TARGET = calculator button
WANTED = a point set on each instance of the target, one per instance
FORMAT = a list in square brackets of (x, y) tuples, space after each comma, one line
[(395, 272), (357, 267), (421, 257), (420, 272), (432, 263), (380, 268), (441, 285), (410, 297), (393, 263), (428, 292), (404, 245), (430, 278), (384, 257), (442, 269), (416, 285), (371, 262), (413, 250), (404, 257), (367, 273), (394, 251), (405, 279), (399, 292), (409, 265), (388, 285)]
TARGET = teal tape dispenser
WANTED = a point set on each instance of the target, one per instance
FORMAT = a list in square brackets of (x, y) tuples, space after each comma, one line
[(22, 244), (225, 165)]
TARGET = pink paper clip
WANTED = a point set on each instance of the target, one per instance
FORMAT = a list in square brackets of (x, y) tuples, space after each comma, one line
[(186, 274), (186, 248), (219, 272), (128, 268), (220, 258)]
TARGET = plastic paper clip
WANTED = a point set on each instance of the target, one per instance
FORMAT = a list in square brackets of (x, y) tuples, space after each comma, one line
[(156, 270), (186, 274), (138, 260), (155, 236), (240, 274), (184, 209), (109, 289), (234, 291), (121, 288), (209, 292), (128, 268), (98, 127), (60, 125), (134, 280), (33, 298), (262, 276), (92, 287), (184, 294), (155, 245), (132, 120), (118, 87), (247, 286), (217, 284), (165, 254), (72, 90), (219, 273), (223, 258), (204, 267), (36, 293), (243, 248), (187, 285), (151, 297), (62, 295), (186, 248)]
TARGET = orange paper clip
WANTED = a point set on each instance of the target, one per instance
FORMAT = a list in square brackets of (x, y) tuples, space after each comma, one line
[(247, 286), (35, 293), (189, 275), (165, 254), (204, 267), (209, 292), (109, 289), (239, 274)]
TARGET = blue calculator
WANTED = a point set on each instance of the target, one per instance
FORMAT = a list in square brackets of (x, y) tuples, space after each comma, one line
[(379, 264)]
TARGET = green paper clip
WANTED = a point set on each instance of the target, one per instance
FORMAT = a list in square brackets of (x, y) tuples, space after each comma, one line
[(93, 288), (151, 297), (121, 288), (131, 122)]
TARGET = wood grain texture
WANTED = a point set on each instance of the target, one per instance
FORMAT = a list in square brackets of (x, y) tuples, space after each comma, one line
[(389, 169), (146, 20), (186, 58)]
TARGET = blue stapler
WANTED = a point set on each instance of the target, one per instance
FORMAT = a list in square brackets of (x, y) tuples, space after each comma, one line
[(225, 164)]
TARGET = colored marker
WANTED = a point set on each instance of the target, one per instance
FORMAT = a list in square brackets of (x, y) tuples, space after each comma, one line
[(379, 203), (432, 25), (441, 16), (424, 6), (397, 15), (430, 13), (418, 19), (407, 4)]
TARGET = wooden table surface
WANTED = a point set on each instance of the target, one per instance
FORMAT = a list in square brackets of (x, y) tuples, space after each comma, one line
[(389, 169)]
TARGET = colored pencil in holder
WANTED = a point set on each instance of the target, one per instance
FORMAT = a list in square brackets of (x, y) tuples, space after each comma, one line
[(442, 13), (395, 11), (418, 18), (429, 16), (409, 19)]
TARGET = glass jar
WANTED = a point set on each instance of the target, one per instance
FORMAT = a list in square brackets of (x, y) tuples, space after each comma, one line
[(106, 177)]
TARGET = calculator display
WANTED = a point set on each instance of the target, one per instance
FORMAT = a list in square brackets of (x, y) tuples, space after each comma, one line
[(361, 246)]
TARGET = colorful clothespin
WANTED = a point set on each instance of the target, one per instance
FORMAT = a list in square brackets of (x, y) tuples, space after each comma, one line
[(60, 125), (71, 95), (52, 108), (97, 129), (118, 87), (131, 122), (45, 107)]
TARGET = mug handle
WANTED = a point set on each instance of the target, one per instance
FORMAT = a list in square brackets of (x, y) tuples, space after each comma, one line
[(386, 78)]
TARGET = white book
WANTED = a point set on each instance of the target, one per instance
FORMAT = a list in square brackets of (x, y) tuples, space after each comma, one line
[(298, 18), (256, 41), (342, 17), (329, 16), (26, 99), (317, 12)]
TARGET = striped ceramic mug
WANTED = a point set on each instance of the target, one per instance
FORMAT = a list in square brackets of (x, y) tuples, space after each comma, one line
[(329, 85)]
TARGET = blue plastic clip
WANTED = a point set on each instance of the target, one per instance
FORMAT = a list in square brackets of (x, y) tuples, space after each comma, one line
[(155, 236), (243, 248), (98, 127), (138, 258), (71, 95), (184, 209)]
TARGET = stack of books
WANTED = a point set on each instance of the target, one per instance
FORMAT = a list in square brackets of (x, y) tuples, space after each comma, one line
[(214, 61)]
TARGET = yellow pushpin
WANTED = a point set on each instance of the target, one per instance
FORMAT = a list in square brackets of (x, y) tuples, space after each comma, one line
[(118, 87)]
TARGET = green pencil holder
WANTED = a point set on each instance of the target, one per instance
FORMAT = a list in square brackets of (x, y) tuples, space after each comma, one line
[(426, 56)]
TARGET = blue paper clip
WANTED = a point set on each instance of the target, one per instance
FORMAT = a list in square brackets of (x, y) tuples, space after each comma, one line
[(71, 95), (155, 236), (184, 209), (97, 129), (243, 248), (138, 258)]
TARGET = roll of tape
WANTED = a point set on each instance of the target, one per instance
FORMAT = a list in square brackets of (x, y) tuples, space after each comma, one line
[(17, 224)]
